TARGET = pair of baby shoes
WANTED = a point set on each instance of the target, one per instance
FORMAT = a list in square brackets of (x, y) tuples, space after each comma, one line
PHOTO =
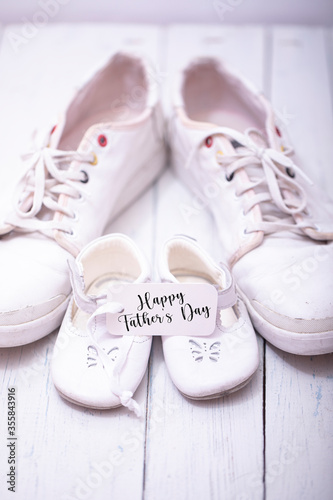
[(97, 367)]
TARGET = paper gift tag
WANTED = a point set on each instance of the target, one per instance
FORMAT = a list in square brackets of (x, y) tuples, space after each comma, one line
[(163, 309)]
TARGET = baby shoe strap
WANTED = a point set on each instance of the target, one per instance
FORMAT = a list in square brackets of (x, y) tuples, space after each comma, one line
[(228, 296)]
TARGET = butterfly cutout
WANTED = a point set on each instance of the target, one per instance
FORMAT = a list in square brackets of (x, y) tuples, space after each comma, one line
[(205, 351), (92, 355)]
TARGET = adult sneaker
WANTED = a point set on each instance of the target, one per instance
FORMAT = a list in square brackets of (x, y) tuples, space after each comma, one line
[(90, 366), (105, 151), (205, 367), (274, 223)]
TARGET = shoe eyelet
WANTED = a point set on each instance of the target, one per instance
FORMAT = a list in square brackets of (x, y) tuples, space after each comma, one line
[(72, 233), (95, 160), (229, 177), (209, 141), (75, 216), (277, 130), (53, 129), (102, 140), (290, 172), (86, 177)]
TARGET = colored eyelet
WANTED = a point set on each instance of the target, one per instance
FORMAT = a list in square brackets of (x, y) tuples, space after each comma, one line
[(209, 141), (86, 177), (290, 172), (95, 160), (53, 129), (277, 130), (102, 140), (229, 177)]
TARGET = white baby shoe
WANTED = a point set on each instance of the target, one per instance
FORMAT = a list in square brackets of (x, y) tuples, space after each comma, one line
[(205, 367), (106, 150), (275, 225), (90, 366)]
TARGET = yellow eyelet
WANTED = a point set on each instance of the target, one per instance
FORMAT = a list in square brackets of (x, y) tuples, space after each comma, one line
[(282, 149), (95, 160)]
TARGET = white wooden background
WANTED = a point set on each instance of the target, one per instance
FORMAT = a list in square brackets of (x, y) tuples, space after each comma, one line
[(271, 440)]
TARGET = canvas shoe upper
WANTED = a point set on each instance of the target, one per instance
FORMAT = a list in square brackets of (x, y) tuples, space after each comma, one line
[(91, 366), (275, 224), (204, 367), (107, 148)]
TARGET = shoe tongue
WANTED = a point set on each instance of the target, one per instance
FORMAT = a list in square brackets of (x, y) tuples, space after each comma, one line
[(72, 141), (90, 138), (255, 172)]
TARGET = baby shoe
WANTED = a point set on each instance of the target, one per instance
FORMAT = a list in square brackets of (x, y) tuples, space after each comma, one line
[(205, 367), (275, 224), (102, 154), (90, 366)]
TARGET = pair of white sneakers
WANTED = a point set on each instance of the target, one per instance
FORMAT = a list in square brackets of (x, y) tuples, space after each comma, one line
[(275, 225)]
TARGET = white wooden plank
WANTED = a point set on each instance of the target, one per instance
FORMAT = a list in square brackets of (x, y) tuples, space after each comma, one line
[(211, 449), (61, 447), (301, 92), (299, 423), (299, 426)]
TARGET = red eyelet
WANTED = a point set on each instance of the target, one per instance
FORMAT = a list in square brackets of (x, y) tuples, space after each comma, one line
[(209, 141), (53, 129), (102, 140), (278, 131)]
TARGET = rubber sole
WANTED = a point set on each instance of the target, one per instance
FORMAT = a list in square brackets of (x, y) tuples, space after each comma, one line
[(85, 405), (304, 344), (25, 333), (223, 393)]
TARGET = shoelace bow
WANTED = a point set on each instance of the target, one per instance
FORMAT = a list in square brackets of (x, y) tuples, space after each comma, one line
[(48, 175), (97, 306), (276, 178)]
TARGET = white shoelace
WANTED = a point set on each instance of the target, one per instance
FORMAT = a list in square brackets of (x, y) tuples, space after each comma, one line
[(48, 175), (273, 172), (97, 306)]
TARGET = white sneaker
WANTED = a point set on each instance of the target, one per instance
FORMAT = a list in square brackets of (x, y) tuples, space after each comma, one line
[(209, 366), (105, 151), (275, 225), (90, 366)]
